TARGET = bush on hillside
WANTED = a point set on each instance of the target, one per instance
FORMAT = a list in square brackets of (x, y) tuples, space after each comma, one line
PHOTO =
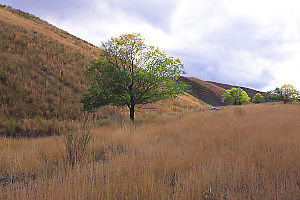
[(258, 98), (235, 96)]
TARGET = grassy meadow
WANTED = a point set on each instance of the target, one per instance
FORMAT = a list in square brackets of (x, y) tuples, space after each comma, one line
[(245, 152)]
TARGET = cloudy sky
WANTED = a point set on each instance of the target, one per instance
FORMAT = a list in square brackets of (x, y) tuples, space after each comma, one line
[(252, 43)]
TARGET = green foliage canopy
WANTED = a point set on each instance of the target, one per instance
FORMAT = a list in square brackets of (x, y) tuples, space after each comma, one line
[(275, 95), (285, 93), (289, 93), (235, 96), (129, 73), (258, 98)]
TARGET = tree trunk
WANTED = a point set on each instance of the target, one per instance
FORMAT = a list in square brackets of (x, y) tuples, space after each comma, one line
[(132, 112)]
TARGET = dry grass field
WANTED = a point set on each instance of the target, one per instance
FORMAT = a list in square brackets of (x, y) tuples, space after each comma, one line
[(245, 152)]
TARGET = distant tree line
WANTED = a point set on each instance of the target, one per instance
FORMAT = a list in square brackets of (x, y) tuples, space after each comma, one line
[(287, 93)]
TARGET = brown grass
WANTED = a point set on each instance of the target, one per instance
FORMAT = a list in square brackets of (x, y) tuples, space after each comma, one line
[(246, 152), (32, 23), (40, 75), (182, 103)]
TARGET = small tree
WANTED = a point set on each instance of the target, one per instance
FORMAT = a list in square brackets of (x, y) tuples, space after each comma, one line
[(235, 96), (275, 95), (289, 93), (258, 98), (129, 72)]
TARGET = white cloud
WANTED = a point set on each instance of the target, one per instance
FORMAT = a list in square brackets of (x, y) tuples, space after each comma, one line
[(243, 41)]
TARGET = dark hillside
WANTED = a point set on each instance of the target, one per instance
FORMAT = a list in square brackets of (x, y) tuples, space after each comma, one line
[(211, 92), (250, 92), (204, 91)]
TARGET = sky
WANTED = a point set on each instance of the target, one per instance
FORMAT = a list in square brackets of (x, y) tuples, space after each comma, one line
[(251, 43)]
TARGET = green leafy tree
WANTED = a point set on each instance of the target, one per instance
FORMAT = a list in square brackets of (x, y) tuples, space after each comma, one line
[(286, 93), (235, 96), (258, 98), (275, 95), (128, 72), (289, 93)]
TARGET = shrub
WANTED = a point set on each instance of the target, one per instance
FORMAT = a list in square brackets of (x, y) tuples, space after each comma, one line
[(275, 95), (235, 96), (76, 144), (11, 128), (258, 98)]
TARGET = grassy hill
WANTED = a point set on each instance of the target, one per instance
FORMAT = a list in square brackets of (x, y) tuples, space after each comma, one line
[(211, 92), (40, 74), (41, 79)]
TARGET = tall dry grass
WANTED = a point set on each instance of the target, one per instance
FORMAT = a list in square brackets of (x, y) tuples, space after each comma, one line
[(246, 152)]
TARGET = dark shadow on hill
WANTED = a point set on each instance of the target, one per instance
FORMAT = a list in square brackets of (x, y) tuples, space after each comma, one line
[(251, 92), (203, 93)]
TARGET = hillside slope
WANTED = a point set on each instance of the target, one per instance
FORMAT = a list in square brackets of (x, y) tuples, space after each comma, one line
[(251, 92), (40, 68), (40, 73), (41, 79), (211, 92)]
